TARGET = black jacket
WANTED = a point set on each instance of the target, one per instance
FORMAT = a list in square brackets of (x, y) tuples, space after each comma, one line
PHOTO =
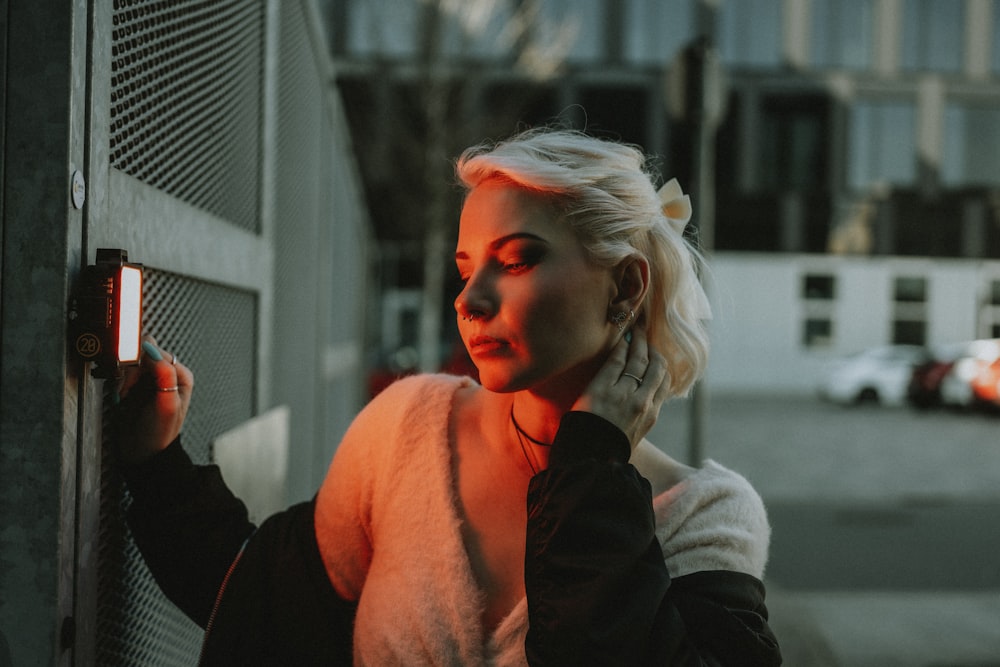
[(598, 590)]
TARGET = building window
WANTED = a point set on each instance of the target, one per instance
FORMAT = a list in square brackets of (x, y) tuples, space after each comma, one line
[(990, 311), (570, 30), (908, 332), (656, 31), (474, 30), (882, 144), (619, 110), (378, 29), (817, 333), (793, 142), (933, 32), (820, 287), (841, 33), (909, 325), (524, 101), (971, 145), (750, 33), (910, 290), (819, 292)]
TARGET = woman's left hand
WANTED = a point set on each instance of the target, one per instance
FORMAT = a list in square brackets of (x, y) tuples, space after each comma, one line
[(630, 388), (154, 400)]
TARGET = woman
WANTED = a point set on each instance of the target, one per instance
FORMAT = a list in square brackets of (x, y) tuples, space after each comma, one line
[(524, 519)]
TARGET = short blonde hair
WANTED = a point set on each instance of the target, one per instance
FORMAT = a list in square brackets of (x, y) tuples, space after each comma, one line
[(605, 191)]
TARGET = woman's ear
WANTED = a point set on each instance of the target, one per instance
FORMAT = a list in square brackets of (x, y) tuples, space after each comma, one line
[(631, 282)]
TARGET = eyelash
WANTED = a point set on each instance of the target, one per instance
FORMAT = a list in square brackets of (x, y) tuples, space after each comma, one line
[(513, 266)]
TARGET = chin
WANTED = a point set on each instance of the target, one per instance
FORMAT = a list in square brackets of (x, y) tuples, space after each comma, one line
[(560, 385), (503, 381), (498, 385)]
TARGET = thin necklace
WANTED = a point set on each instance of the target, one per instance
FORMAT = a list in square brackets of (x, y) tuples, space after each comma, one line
[(521, 435)]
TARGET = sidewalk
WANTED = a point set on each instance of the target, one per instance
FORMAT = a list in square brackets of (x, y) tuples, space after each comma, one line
[(796, 449)]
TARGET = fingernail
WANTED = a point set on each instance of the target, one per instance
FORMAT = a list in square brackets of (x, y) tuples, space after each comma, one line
[(628, 336), (151, 350)]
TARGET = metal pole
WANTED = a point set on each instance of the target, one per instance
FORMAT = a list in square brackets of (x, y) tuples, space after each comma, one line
[(699, 72)]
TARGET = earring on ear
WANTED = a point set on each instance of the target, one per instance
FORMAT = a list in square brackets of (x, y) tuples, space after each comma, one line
[(620, 319)]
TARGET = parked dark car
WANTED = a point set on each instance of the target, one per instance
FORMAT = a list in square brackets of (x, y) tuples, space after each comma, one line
[(924, 390)]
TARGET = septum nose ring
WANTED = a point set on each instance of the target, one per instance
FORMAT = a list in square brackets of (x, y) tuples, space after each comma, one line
[(469, 318)]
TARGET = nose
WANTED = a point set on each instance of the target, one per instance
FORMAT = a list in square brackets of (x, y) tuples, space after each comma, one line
[(476, 300)]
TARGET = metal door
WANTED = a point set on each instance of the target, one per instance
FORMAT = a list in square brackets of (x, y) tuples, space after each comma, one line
[(177, 175), (213, 150)]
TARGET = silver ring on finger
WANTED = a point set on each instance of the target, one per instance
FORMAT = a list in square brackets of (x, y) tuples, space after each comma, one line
[(634, 377), (174, 388)]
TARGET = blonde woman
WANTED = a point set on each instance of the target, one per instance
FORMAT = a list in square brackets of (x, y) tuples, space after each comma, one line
[(520, 519)]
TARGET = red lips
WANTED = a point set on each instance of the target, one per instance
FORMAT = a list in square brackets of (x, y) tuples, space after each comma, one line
[(483, 345)]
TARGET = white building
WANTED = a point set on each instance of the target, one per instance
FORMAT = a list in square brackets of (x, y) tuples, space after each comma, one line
[(778, 321)]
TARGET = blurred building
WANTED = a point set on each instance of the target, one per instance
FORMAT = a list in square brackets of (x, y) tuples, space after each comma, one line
[(847, 129)]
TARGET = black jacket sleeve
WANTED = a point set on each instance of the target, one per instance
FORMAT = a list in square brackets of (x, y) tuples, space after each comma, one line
[(598, 590), (188, 526), (262, 594)]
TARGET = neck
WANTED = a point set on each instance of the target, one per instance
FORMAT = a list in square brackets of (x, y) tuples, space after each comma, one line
[(539, 410), (537, 418), (540, 407), (524, 434), (533, 424)]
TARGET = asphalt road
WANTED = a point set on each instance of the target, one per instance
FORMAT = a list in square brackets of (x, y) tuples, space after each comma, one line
[(950, 546), (885, 523), (796, 448)]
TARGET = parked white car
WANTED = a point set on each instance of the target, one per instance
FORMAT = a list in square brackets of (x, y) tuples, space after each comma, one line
[(876, 375)]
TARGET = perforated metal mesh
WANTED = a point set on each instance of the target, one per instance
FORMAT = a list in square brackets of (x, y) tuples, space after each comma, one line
[(185, 100), (320, 243), (299, 245), (212, 329)]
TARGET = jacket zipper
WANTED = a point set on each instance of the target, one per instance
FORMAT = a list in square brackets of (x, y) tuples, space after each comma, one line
[(218, 600)]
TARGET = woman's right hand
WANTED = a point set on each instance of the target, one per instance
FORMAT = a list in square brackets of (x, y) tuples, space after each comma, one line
[(154, 400), (629, 388)]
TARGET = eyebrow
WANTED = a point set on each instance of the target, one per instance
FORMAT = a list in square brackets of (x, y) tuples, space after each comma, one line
[(504, 240)]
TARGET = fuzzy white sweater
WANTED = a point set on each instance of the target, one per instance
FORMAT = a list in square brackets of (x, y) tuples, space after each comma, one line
[(389, 532)]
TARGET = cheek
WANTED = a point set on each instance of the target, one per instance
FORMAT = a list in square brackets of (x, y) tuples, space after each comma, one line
[(569, 320)]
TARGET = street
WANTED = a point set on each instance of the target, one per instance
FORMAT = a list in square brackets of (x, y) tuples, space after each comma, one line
[(885, 525), (885, 547), (798, 447)]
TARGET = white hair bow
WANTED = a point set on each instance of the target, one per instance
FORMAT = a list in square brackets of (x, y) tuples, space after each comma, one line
[(675, 204), (676, 208)]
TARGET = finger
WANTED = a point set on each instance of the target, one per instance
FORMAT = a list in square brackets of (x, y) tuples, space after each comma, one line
[(613, 365), (657, 376), (637, 361), (185, 380), (172, 380), (125, 383), (132, 375), (158, 364)]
